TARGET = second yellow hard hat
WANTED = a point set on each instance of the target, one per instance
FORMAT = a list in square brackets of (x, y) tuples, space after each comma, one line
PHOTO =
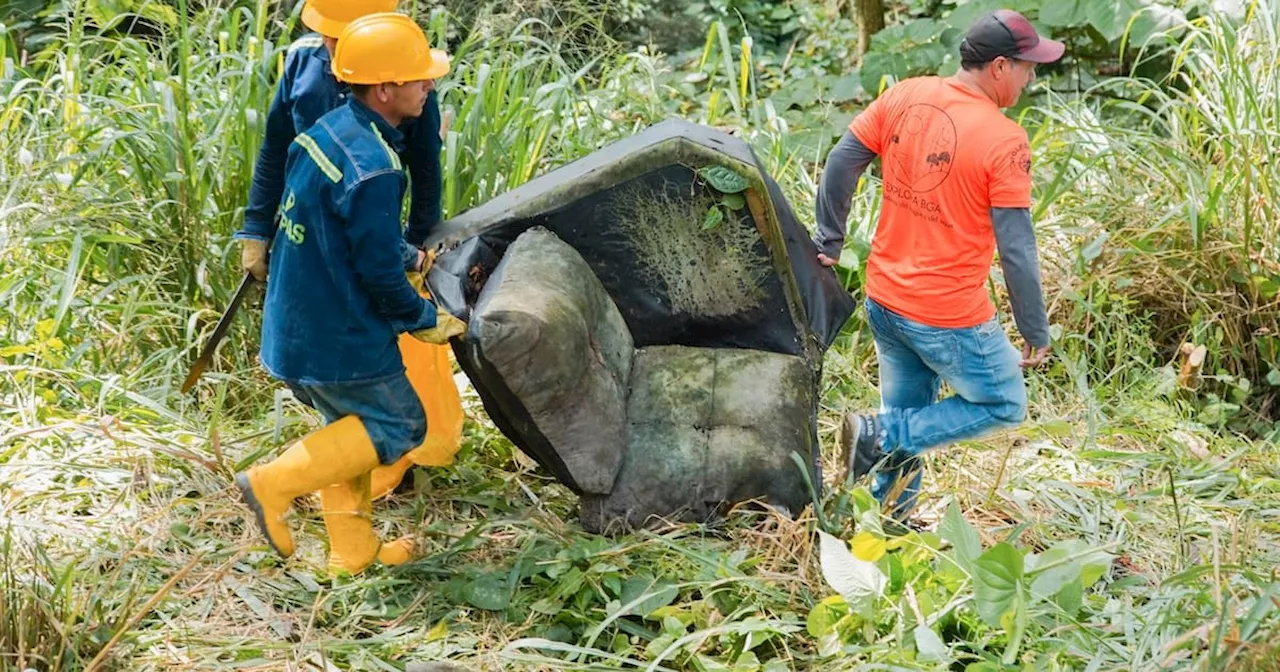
[(330, 17)]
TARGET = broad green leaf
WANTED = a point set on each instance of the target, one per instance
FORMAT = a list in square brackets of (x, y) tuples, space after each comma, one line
[(724, 180), (997, 582), (843, 89), (825, 614), (859, 582), (877, 66), (929, 646), (1062, 564), (1064, 13), (747, 662), (1094, 567), (1070, 597), (734, 201), (1156, 18), (488, 592), (652, 593), (963, 537), (965, 13)]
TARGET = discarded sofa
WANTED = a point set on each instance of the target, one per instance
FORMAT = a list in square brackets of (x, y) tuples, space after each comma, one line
[(648, 323)]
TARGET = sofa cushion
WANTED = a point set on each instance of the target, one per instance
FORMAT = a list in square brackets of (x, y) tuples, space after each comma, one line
[(703, 432), (546, 333)]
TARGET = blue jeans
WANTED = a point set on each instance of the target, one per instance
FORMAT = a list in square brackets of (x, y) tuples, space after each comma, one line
[(389, 408), (979, 363)]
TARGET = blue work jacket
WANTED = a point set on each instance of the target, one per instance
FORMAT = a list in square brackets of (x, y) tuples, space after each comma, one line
[(337, 295), (306, 91)]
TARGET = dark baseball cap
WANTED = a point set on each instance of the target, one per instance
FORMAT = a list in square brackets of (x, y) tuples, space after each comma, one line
[(1007, 33)]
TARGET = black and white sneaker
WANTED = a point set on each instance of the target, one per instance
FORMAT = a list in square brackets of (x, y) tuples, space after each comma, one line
[(860, 444)]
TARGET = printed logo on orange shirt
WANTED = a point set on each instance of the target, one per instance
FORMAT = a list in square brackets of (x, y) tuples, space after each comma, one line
[(925, 165)]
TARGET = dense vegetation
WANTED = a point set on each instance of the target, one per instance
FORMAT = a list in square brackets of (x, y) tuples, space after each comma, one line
[(1132, 523)]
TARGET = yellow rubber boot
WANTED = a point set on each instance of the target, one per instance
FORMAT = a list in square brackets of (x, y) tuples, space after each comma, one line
[(431, 374), (348, 511), (338, 452)]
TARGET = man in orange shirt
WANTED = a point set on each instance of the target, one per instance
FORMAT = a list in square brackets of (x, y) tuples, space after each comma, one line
[(957, 186)]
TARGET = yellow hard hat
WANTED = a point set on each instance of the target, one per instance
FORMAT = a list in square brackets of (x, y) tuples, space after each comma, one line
[(329, 17), (387, 47)]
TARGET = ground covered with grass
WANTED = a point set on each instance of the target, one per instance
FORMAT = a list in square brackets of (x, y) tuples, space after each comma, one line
[(147, 559), (1132, 523)]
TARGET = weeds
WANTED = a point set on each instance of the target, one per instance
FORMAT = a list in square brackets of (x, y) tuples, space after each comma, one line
[(124, 162)]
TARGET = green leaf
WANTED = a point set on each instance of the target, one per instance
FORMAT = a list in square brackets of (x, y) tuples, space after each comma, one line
[(825, 615), (15, 350), (546, 607), (929, 646), (843, 89), (892, 567), (488, 592), (1070, 597), (1094, 249), (997, 582), (1060, 565), (724, 180), (1064, 13), (1157, 18), (1014, 622), (734, 201), (652, 593), (860, 583), (966, 12), (714, 218), (963, 537), (1273, 378), (117, 238), (1093, 567), (876, 66)]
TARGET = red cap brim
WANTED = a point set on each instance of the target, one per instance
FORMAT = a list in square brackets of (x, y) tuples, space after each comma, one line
[(1047, 51)]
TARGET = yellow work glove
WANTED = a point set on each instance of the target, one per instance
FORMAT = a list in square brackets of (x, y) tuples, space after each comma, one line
[(447, 327), (253, 258), (418, 279)]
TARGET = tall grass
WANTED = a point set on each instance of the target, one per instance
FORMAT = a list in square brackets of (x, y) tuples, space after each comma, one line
[(43, 611), (127, 160), (1167, 197), (124, 165)]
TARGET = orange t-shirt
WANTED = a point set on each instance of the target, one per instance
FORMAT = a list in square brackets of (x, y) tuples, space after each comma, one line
[(948, 155)]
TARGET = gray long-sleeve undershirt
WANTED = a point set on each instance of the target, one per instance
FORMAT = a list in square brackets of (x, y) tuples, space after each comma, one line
[(1015, 237)]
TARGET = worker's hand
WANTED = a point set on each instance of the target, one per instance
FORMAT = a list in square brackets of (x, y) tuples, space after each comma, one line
[(1032, 356), (447, 327), (253, 258), (418, 276), (827, 261)]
